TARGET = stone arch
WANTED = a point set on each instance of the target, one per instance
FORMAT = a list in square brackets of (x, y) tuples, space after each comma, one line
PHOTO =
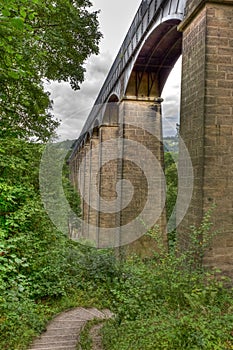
[(113, 98), (155, 60), (95, 126), (110, 116), (95, 131), (87, 137)]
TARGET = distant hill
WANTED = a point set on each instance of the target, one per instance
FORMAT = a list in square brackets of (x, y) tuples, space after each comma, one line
[(171, 143)]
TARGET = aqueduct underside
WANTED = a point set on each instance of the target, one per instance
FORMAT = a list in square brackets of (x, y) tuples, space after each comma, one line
[(117, 162)]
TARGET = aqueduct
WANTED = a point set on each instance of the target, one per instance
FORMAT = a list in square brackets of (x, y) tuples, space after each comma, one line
[(121, 141)]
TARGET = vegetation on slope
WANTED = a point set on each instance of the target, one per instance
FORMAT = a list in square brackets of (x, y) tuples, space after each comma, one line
[(172, 302), (166, 302), (39, 40)]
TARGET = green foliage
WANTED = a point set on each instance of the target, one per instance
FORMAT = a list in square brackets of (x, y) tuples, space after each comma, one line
[(38, 264), (40, 40), (171, 302), (171, 176), (85, 340), (171, 143), (70, 193), (167, 302), (20, 318), (171, 329), (33, 254), (198, 241), (99, 266), (61, 201)]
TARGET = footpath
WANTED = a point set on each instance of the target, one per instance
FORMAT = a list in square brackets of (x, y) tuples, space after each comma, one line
[(63, 331)]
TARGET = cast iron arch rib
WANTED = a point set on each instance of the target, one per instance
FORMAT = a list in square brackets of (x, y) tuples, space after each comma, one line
[(155, 60), (150, 15)]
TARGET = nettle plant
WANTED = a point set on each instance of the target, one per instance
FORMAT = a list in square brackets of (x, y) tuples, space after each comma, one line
[(171, 301), (197, 241)]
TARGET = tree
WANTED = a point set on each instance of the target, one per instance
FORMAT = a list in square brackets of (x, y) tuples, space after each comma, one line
[(171, 181), (41, 39)]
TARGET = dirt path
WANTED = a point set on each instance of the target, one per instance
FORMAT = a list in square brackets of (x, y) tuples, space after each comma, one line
[(63, 331), (96, 337)]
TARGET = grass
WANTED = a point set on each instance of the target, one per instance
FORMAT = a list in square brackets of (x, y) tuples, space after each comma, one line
[(166, 302)]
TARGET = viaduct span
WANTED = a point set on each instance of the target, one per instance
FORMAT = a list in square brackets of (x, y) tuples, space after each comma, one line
[(117, 162)]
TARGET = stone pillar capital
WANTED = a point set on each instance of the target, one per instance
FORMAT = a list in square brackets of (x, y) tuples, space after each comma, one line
[(159, 100), (194, 6)]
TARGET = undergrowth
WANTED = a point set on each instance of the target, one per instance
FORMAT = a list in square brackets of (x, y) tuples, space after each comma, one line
[(85, 340), (169, 301)]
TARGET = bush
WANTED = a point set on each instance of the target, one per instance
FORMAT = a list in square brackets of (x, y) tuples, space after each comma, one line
[(167, 302), (171, 302)]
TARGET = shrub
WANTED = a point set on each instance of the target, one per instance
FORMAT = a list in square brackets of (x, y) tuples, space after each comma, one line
[(171, 302)]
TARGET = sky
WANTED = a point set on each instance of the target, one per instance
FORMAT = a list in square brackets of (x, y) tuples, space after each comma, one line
[(73, 107)]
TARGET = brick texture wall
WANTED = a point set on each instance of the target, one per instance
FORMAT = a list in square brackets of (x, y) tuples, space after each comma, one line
[(107, 184), (207, 122), (141, 123), (139, 131)]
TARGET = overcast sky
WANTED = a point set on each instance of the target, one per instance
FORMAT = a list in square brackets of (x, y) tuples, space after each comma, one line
[(72, 108)]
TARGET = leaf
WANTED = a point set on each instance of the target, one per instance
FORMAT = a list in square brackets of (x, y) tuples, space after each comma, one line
[(6, 13), (44, 40), (13, 74), (17, 22), (32, 15), (23, 13)]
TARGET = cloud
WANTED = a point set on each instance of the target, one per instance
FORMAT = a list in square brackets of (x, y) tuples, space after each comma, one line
[(72, 107), (171, 104)]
